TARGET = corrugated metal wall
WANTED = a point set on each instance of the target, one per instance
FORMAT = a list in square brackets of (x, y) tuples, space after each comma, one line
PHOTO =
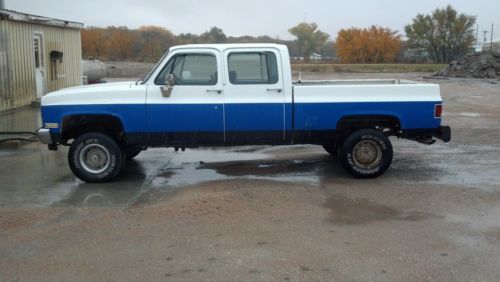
[(17, 65)]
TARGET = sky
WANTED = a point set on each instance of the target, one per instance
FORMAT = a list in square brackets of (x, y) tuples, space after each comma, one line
[(254, 17)]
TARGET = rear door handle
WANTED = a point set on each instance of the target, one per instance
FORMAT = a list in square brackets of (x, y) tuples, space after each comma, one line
[(274, 90), (218, 91)]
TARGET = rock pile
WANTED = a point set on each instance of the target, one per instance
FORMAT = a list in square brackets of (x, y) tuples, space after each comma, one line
[(482, 65)]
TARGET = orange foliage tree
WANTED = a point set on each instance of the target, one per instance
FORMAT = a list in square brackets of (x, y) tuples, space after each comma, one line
[(157, 40), (369, 45), (147, 43)]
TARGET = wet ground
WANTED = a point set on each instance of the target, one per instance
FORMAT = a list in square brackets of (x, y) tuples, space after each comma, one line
[(265, 213)]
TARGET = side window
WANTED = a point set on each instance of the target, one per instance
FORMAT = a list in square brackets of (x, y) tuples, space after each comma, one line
[(190, 69), (253, 68)]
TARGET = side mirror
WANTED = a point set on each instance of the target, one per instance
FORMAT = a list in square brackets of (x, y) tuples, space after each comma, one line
[(166, 90)]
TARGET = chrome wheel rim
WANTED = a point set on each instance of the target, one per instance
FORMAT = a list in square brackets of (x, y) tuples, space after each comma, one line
[(95, 158), (367, 154)]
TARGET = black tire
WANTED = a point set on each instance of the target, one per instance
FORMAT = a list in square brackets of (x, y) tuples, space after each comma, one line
[(332, 150), (132, 154), (133, 151), (95, 157), (366, 153)]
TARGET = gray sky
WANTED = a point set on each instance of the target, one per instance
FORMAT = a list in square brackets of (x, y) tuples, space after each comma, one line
[(254, 17)]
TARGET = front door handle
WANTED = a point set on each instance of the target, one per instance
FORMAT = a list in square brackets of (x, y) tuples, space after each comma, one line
[(218, 91), (274, 90)]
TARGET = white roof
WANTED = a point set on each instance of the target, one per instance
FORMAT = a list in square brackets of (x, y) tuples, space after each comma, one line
[(22, 17), (222, 47)]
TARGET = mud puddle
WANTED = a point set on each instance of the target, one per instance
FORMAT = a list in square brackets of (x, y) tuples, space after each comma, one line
[(347, 211)]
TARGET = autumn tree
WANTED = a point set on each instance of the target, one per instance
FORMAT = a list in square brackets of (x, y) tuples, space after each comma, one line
[(367, 45), (93, 42), (445, 34), (157, 40), (119, 43), (309, 38)]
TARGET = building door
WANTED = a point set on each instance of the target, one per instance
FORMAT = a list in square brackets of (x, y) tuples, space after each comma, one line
[(39, 54)]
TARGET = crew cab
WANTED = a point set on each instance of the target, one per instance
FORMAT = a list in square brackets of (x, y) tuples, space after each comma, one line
[(237, 94)]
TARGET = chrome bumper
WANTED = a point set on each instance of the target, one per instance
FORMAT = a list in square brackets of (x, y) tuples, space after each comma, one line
[(44, 136)]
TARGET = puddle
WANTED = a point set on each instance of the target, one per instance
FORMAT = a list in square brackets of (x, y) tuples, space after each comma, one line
[(471, 166), (346, 211), (465, 114)]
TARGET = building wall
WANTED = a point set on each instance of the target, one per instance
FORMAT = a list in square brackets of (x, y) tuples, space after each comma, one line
[(17, 63)]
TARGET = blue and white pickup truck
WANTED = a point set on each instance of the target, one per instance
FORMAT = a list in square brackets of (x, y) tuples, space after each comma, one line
[(237, 94)]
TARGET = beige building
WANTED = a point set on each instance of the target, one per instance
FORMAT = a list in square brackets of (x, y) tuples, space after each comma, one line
[(37, 55)]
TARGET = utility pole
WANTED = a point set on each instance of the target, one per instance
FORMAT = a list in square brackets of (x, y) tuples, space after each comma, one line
[(491, 41), (2, 4), (485, 38), (477, 33)]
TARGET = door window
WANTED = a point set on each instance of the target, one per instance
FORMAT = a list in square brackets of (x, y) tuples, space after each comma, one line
[(38, 52), (190, 69), (253, 68)]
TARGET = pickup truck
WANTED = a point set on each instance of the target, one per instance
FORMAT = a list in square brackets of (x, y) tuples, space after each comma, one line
[(237, 94)]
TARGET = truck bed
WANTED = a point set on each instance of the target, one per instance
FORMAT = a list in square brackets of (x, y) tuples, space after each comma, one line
[(354, 82), (322, 103)]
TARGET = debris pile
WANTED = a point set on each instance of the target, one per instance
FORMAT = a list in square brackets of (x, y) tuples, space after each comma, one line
[(482, 65)]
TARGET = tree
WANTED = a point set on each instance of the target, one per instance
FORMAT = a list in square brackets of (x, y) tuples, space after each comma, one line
[(309, 37), (93, 42), (369, 45), (445, 34), (157, 40), (214, 35), (119, 43)]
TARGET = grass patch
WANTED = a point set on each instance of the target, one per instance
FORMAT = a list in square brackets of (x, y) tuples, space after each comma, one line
[(367, 68)]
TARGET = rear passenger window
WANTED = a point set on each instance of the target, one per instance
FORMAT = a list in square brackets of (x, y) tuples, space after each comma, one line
[(253, 68)]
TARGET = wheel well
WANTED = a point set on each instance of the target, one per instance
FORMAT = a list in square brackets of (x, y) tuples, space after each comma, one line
[(76, 125), (386, 123)]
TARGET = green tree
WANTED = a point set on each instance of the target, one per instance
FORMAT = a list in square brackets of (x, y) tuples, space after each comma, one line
[(214, 35), (445, 34), (309, 37)]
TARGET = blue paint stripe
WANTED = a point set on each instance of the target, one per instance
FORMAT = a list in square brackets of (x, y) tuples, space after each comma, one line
[(246, 117), (321, 116)]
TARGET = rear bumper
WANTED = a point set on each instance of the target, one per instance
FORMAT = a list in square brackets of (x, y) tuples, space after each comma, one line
[(443, 133)]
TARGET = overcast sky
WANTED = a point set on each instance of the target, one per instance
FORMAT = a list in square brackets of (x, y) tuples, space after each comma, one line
[(253, 17)]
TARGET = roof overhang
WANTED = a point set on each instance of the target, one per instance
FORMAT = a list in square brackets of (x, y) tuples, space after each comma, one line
[(21, 17)]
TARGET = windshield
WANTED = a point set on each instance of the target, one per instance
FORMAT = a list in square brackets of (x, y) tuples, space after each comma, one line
[(148, 75)]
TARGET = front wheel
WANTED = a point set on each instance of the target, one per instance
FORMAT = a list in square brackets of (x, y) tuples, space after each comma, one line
[(95, 157), (366, 153)]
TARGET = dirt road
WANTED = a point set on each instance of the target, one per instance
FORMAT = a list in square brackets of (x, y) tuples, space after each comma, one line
[(266, 213)]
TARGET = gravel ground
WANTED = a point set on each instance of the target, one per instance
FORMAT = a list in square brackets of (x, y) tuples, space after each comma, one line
[(266, 213)]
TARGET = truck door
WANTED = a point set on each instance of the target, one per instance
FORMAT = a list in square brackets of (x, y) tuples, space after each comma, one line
[(254, 97), (193, 113)]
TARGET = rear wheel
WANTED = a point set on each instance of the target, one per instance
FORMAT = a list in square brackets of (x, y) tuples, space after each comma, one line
[(95, 157), (331, 149), (366, 153)]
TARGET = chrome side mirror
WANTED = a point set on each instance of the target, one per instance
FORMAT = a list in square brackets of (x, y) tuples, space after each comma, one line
[(166, 90)]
